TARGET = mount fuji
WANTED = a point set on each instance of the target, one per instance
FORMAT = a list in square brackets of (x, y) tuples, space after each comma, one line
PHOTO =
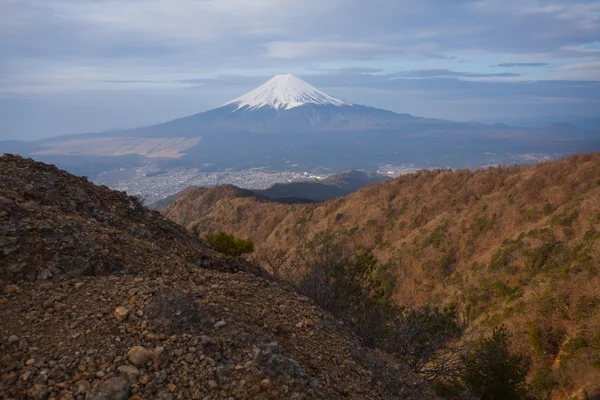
[(287, 122), (284, 92), (285, 104)]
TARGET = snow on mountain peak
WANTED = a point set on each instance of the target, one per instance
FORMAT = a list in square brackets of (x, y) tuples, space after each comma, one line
[(284, 92)]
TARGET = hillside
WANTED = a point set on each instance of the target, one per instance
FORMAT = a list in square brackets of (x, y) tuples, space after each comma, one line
[(337, 185), (101, 298), (515, 245)]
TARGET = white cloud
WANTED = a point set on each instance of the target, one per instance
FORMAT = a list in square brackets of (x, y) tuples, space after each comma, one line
[(330, 50)]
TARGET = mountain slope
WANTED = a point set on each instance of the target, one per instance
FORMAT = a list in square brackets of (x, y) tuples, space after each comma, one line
[(102, 299), (510, 245), (336, 185)]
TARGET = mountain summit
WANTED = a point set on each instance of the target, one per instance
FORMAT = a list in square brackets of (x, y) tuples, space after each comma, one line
[(283, 92)]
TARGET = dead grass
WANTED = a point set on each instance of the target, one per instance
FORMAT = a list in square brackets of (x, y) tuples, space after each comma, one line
[(544, 217)]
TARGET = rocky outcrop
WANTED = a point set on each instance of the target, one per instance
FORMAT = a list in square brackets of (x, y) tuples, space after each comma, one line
[(102, 299)]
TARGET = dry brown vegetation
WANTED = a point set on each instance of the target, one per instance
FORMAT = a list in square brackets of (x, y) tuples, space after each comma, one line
[(515, 245)]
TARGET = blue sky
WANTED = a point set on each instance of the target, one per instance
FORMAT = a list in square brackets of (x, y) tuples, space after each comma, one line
[(73, 66)]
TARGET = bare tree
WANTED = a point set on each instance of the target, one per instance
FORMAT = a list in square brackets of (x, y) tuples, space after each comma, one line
[(275, 260)]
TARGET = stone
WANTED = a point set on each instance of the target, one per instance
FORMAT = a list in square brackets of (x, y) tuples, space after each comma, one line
[(82, 386), (13, 339), (189, 358), (212, 384), (112, 389), (139, 355), (207, 340), (100, 374), (38, 391), (129, 372), (44, 274), (265, 384), (274, 347), (220, 324), (121, 314), (26, 375), (6, 360), (11, 289)]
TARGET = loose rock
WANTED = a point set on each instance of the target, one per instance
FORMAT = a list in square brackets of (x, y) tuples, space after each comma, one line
[(121, 314)]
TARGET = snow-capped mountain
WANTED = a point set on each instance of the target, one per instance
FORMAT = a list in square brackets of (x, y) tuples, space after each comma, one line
[(283, 92), (286, 121), (283, 105)]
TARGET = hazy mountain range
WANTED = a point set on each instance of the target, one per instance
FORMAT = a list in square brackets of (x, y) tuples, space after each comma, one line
[(287, 122)]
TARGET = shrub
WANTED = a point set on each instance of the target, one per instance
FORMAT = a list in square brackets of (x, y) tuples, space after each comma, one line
[(565, 219), (446, 263), (436, 237), (490, 371), (357, 288), (548, 209), (226, 243), (542, 383), (505, 255)]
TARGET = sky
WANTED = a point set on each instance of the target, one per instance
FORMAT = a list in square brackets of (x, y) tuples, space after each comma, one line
[(76, 66)]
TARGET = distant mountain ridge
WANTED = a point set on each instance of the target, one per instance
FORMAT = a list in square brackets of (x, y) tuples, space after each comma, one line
[(287, 121), (337, 185)]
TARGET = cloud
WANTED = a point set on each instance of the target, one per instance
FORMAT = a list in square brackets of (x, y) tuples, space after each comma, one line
[(582, 66), (352, 69), (521, 64), (438, 73), (218, 47), (342, 50), (588, 70)]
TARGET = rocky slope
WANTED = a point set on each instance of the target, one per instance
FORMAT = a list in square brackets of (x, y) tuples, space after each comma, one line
[(513, 245), (102, 299)]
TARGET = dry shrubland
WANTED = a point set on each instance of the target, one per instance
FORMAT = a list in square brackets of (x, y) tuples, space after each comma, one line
[(515, 245)]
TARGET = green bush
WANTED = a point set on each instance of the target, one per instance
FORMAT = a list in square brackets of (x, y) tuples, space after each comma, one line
[(539, 257), (226, 243), (446, 263), (535, 340), (565, 219), (542, 383), (503, 258), (436, 237), (490, 371), (548, 209)]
